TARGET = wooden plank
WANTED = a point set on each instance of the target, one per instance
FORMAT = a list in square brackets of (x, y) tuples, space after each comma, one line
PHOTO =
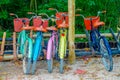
[(11, 57)]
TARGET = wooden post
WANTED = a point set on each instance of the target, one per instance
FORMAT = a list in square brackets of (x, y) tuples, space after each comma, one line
[(2, 46), (14, 46), (71, 35)]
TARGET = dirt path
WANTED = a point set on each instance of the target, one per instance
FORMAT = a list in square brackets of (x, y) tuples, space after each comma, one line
[(92, 70)]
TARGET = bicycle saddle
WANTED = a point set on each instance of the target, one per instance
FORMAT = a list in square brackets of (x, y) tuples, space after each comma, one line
[(52, 28), (40, 29), (27, 28), (98, 23), (63, 25)]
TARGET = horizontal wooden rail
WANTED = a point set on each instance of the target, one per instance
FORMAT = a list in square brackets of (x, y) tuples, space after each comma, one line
[(76, 36), (83, 35)]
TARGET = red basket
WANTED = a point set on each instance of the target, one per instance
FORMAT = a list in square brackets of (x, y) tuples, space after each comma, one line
[(37, 22), (18, 24), (87, 21), (45, 24), (59, 16)]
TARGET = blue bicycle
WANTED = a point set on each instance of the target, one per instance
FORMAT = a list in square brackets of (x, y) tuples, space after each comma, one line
[(37, 46), (97, 42)]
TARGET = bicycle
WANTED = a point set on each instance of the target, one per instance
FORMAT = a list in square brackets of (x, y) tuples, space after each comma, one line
[(97, 42), (37, 47), (52, 46), (24, 42), (62, 25)]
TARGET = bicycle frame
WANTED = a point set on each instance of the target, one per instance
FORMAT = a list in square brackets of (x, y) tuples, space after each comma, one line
[(94, 38), (62, 46), (37, 47)]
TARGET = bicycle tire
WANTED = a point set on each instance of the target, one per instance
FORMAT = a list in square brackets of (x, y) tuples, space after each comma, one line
[(61, 70), (105, 50), (50, 52), (50, 65), (26, 58)]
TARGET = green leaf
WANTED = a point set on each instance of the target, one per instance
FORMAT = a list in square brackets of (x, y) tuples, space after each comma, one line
[(4, 14)]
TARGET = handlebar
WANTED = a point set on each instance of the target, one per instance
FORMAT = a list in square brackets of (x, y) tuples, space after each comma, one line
[(44, 14), (32, 13), (53, 9), (63, 14), (53, 18), (57, 11), (12, 14), (98, 13)]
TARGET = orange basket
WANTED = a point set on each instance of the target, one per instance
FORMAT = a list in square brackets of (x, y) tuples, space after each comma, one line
[(18, 24), (87, 22), (61, 18), (37, 22)]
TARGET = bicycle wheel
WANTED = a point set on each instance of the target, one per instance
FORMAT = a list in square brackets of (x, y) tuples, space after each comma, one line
[(105, 50), (26, 57)]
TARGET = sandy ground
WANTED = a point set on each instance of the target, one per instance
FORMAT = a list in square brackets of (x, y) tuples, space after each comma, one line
[(93, 70)]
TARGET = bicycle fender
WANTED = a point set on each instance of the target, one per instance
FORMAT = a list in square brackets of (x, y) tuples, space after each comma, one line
[(62, 47), (49, 49), (37, 47)]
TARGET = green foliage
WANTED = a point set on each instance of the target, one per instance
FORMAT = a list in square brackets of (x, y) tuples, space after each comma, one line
[(2, 2), (4, 14), (90, 8)]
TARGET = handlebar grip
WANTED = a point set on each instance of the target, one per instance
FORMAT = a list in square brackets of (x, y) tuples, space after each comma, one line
[(78, 10), (30, 13), (51, 9), (103, 11), (11, 14), (77, 14)]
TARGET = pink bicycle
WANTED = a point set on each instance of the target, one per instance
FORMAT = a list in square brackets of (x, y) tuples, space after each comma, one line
[(52, 46)]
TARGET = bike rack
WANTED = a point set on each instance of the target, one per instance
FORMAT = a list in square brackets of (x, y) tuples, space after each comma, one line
[(115, 37), (3, 55)]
